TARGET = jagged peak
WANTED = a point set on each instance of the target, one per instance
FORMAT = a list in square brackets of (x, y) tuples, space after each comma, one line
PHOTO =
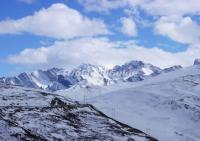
[(24, 74), (134, 63), (172, 68), (55, 69), (85, 66)]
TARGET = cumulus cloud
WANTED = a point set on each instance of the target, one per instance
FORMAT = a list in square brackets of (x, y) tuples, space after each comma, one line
[(57, 21), (172, 17), (30, 56), (173, 22), (128, 26), (101, 51), (180, 29)]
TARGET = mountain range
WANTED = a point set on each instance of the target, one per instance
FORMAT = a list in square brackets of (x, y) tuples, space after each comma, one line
[(161, 104), (86, 75)]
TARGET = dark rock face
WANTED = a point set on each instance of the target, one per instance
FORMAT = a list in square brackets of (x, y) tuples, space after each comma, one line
[(36, 115), (173, 68), (63, 81), (197, 62)]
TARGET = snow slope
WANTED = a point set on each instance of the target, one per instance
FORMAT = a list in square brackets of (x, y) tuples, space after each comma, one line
[(169, 104), (35, 115)]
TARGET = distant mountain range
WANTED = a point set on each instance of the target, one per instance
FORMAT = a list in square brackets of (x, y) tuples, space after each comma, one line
[(86, 75)]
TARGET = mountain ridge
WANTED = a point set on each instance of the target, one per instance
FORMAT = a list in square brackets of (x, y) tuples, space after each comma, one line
[(86, 75)]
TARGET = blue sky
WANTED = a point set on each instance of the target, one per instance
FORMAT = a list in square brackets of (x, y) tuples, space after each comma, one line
[(65, 33)]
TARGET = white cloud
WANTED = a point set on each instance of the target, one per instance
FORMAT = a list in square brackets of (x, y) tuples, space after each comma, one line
[(128, 26), (107, 5), (154, 7), (99, 51), (101, 5), (180, 29), (60, 21), (31, 56), (27, 1), (57, 21), (172, 17), (172, 7)]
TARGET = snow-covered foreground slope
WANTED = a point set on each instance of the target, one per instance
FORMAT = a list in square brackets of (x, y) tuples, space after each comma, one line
[(35, 115), (167, 106)]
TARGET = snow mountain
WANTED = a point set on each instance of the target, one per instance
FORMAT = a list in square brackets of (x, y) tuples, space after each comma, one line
[(165, 105), (168, 103), (86, 75), (133, 71), (89, 75), (35, 115)]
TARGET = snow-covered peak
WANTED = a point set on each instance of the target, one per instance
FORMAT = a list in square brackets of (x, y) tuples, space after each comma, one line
[(89, 74), (88, 68), (197, 61), (133, 71), (173, 68), (134, 64)]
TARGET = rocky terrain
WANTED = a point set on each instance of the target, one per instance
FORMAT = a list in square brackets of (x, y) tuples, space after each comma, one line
[(30, 115)]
